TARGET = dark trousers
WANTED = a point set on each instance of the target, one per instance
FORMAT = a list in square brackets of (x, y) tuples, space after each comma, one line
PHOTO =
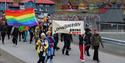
[(0, 35), (96, 56), (66, 47), (87, 50), (3, 34), (56, 42), (31, 37), (20, 34), (41, 58), (49, 57), (8, 33), (14, 40), (23, 34)]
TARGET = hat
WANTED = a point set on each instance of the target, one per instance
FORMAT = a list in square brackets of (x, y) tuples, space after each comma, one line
[(87, 29)]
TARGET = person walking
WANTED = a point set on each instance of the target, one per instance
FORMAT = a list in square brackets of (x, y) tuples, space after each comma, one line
[(21, 30), (0, 31), (81, 47), (15, 33), (51, 47), (3, 33), (20, 35), (9, 31), (37, 35), (56, 38), (25, 36), (88, 35), (67, 41), (31, 31), (96, 41), (42, 48)]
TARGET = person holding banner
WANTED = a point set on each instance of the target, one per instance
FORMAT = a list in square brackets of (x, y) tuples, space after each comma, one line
[(67, 41), (88, 35), (81, 47), (56, 38)]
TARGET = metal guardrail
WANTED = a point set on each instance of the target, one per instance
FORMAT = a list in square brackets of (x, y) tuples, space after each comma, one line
[(113, 41)]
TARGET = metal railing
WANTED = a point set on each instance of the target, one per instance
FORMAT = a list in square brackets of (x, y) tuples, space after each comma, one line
[(113, 41)]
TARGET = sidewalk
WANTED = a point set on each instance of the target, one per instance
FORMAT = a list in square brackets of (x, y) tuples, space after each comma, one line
[(26, 52)]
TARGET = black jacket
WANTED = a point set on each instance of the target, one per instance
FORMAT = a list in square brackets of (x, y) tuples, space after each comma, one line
[(67, 37), (87, 38), (15, 32)]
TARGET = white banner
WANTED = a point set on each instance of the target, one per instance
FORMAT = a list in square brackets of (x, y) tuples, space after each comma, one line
[(71, 27)]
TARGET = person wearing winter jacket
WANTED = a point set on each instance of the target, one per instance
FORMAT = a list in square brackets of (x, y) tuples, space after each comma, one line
[(51, 46), (67, 38), (96, 41), (3, 33), (88, 35), (42, 48), (15, 33)]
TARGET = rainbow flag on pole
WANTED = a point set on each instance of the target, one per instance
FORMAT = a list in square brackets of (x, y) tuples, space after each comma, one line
[(21, 17)]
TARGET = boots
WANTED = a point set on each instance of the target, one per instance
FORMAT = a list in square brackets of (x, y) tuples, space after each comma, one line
[(63, 51), (67, 53)]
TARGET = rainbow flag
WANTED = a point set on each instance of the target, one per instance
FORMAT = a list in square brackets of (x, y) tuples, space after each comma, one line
[(21, 17)]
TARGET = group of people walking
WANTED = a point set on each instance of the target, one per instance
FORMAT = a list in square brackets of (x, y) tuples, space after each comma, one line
[(46, 45), (46, 42), (88, 40)]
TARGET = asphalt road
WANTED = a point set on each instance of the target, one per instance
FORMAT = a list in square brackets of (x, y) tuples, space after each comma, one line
[(7, 58), (109, 48)]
